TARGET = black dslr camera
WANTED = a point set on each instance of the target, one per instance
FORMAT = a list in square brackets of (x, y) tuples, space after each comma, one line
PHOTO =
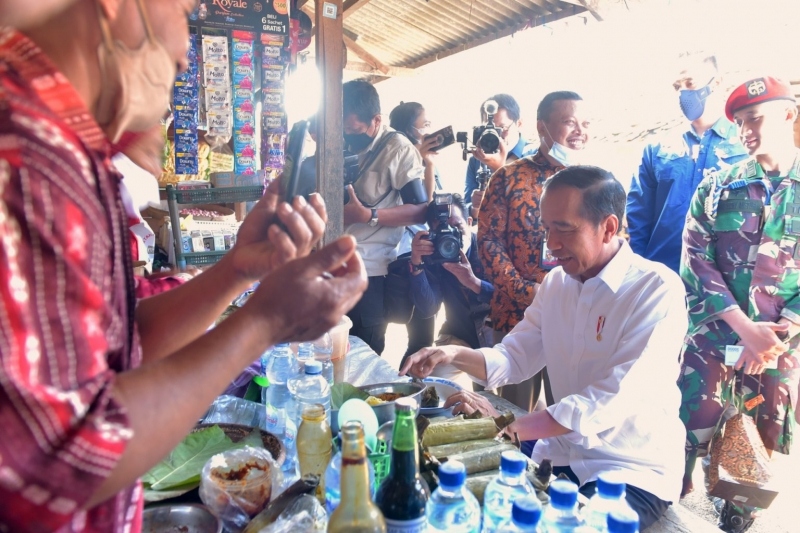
[(486, 136), (446, 239)]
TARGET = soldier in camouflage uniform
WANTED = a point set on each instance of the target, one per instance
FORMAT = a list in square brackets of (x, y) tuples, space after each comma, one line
[(741, 267)]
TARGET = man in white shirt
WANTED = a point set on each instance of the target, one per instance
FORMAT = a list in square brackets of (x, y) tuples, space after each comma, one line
[(607, 325)]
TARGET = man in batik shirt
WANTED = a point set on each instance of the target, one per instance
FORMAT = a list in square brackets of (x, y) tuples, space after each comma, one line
[(741, 267)]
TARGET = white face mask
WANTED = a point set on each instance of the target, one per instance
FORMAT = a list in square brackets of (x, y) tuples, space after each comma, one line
[(422, 131), (136, 84), (562, 154)]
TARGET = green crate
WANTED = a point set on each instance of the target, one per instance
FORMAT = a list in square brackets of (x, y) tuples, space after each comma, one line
[(223, 195), (381, 459), (203, 258)]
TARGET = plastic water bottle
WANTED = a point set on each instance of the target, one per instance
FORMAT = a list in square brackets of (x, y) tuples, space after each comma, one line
[(333, 480), (503, 490), (323, 351), (264, 363), (309, 389), (525, 515), (610, 496), (305, 353), (561, 516), (280, 367), (622, 521), (452, 507)]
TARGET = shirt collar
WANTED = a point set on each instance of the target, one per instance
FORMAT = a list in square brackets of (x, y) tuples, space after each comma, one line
[(54, 90), (519, 148), (615, 271), (723, 127)]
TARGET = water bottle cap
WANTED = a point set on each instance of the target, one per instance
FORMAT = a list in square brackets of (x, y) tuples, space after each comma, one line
[(313, 368), (282, 345), (512, 462), (608, 485), (626, 521), (563, 494), (452, 474), (405, 404), (526, 511)]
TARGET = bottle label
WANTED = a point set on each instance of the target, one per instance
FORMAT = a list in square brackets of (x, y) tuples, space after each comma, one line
[(417, 525)]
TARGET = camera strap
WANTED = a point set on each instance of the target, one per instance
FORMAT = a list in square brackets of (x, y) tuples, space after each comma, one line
[(370, 158)]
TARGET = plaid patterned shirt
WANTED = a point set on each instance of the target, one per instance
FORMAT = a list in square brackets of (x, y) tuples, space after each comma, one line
[(66, 305)]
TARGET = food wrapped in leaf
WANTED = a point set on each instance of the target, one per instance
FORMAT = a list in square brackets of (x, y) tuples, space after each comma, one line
[(430, 398)]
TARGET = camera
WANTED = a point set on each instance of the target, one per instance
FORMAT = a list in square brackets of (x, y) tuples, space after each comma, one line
[(308, 174), (486, 136), (446, 239)]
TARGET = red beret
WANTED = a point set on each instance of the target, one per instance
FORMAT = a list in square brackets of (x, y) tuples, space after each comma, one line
[(756, 91)]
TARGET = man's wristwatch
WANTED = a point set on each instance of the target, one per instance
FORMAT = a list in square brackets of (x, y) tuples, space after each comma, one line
[(416, 268), (374, 220)]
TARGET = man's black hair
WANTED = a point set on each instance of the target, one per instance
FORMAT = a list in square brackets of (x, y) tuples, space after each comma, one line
[(359, 97), (602, 194), (403, 116), (546, 105), (504, 101), (458, 202)]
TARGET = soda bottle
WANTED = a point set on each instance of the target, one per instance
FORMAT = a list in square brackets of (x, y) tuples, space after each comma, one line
[(280, 366), (622, 521), (525, 515), (451, 507), (561, 516), (314, 445), (610, 496), (402, 496), (503, 490), (356, 512)]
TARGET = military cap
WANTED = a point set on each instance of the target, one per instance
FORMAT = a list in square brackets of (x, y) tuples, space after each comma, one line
[(756, 91)]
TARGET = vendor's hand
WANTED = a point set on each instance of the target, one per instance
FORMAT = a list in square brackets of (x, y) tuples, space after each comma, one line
[(421, 247), (354, 210), (302, 300), (422, 363), (477, 198), (761, 346), (467, 402), (145, 149), (425, 148), (494, 161), (463, 273), (262, 245)]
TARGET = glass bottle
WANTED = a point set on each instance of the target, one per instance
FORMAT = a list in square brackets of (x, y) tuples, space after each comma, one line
[(314, 445), (402, 496), (356, 512)]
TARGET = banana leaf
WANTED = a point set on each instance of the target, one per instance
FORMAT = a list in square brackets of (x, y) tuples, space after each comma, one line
[(341, 392)]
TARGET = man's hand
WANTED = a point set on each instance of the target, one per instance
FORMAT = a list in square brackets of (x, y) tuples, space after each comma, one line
[(467, 402), (494, 161), (354, 210), (421, 247), (761, 345), (425, 149), (477, 198), (307, 297), (422, 363), (463, 273)]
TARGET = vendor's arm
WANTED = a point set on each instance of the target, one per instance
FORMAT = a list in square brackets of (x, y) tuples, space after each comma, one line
[(641, 207), (492, 234)]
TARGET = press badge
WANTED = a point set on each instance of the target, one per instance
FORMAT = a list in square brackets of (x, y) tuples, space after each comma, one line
[(732, 354), (547, 261)]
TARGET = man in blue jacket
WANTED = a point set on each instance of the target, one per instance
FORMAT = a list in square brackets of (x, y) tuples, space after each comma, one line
[(458, 284), (672, 169)]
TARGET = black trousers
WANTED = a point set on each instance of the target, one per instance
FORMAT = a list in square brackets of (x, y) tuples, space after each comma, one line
[(369, 322), (420, 333)]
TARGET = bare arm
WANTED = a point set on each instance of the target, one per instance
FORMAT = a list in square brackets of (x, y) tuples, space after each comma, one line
[(422, 363), (24, 13)]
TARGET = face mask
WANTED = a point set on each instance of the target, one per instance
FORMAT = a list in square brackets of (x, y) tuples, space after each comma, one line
[(422, 131), (357, 141), (562, 154), (693, 101), (137, 84)]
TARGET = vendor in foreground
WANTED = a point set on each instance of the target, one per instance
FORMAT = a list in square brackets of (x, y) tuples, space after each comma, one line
[(608, 325)]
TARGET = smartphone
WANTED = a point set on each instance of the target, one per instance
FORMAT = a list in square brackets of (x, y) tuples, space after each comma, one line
[(444, 138), (294, 160)]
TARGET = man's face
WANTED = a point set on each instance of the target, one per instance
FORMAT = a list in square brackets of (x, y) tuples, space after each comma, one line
[(568, 125), (693, 75), (576, 242), (353, 126), (764, 126)]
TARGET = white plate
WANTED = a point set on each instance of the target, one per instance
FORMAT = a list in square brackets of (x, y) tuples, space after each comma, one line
[(444, 388)]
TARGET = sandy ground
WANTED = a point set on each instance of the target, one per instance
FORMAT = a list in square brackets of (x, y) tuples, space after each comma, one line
[(779, 518)]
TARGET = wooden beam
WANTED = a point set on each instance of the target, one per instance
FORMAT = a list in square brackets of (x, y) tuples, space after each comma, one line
[(330, 165), (351, 6), (357, 66), (592, 6), (364, 55)]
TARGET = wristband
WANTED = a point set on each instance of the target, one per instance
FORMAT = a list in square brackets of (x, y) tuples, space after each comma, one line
[(416, 268)]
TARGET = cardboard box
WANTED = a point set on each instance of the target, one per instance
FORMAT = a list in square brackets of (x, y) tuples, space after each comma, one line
[(742, 493), (219, 240), (197, 242)]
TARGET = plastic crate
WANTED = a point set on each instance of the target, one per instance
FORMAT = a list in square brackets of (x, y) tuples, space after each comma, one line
[(381, 459), (220, 195), (203, 258)]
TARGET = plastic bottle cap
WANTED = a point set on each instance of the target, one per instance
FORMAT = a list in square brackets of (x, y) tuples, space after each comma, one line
[(452, 474), (526, 511), (563, 494), (405, 404), (608, 486), (623, 522), (313, 368), (512, 462), (282, 345)]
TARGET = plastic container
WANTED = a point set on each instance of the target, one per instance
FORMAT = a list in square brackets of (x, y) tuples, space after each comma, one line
[(340, 345), (451, 507), (323, 351), (305, 353), (314, 445), (561, 516), (310, 389), (525, 516), (622, 521), (510, 485), (610, 496), (280, 367)]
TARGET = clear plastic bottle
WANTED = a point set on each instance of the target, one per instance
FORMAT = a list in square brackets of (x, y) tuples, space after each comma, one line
[(333, 479), (264, 362), (561, 516), (622, 521), (503, 490), (309, 389), (525, 516), (323, 351), (314, 445), (280, 366), (610, 496), (451, 507), (305, 353)]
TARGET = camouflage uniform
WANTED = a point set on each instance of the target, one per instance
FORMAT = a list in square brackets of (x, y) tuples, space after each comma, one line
[(740, 248)]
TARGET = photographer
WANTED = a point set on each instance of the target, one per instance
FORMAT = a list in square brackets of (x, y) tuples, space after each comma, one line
[(458, 283), (388, 195), (513, 147)]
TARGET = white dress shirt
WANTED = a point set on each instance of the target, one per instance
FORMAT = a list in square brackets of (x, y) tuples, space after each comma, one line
[(611, 347)]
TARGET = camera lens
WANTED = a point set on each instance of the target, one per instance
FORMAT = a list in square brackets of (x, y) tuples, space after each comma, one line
[(489, 142), (448, 247)]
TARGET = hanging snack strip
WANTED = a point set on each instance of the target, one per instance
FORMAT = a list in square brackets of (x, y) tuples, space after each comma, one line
[(274, 112), (244, 113), (218, 86), (185, 115)]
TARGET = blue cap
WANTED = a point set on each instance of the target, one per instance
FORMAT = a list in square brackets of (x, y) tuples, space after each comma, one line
[(452, 474), (608, 486), (313, 367), (282, 345), (526, 511), (563, 494), (512, 462), (620, 521)]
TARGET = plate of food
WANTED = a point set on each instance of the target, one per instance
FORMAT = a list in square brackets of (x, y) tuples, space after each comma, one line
[(438, 390)]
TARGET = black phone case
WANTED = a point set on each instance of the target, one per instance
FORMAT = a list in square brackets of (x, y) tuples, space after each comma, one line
[(294, 160)]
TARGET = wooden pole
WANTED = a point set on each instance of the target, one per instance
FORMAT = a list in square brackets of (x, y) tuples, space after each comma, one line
[(330, 164)]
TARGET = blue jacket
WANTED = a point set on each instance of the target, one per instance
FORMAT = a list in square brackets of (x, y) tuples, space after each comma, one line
[(667, 179), (520, 150)]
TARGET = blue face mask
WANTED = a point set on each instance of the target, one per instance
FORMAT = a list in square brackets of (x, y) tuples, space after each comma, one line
[(693, 101)]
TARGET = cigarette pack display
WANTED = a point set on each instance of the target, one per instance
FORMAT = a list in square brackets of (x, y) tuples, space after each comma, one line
[(219, 240)]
